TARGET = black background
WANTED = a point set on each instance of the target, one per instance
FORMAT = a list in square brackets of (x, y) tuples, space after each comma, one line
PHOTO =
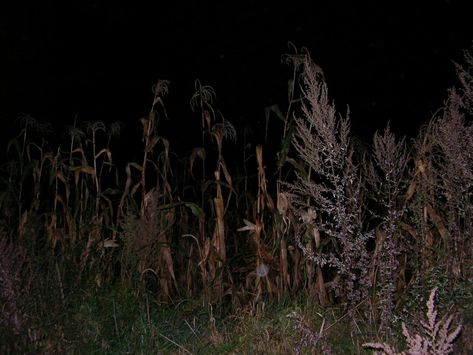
[(97, 60)]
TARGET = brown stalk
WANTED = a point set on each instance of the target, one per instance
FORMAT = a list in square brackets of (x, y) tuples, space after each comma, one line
[(437, 220), (319, 277), (284, 267)]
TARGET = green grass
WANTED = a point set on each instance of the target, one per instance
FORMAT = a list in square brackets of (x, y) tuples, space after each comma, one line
[(112, 320)]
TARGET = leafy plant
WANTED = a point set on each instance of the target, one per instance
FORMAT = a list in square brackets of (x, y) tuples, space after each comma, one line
[(436, 337)]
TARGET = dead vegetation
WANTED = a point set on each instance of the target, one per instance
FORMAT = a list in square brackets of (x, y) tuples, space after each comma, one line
[(364, 232)]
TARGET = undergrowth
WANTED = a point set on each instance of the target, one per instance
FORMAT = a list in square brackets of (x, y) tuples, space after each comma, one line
[(335, 247)]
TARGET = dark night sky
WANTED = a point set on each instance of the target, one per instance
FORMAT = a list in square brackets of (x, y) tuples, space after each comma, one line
[(99, 59)]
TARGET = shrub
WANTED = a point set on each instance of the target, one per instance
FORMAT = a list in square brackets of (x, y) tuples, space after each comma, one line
[(436, 336), (328, 193)]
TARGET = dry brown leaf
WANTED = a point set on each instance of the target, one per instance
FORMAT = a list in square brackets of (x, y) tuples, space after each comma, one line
[(437, 220)]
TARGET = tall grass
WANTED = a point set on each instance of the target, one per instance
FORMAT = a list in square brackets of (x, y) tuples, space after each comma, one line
[(365, 231)]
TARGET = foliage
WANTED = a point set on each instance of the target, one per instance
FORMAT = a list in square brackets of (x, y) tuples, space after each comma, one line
[(437, 336), (361, 230)]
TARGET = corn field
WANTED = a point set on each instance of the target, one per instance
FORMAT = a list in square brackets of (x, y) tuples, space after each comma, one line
[(364, 226)]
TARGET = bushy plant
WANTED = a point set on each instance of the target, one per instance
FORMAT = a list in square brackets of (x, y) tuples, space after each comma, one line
[(328, 192), (387, 178), (436, 335)]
